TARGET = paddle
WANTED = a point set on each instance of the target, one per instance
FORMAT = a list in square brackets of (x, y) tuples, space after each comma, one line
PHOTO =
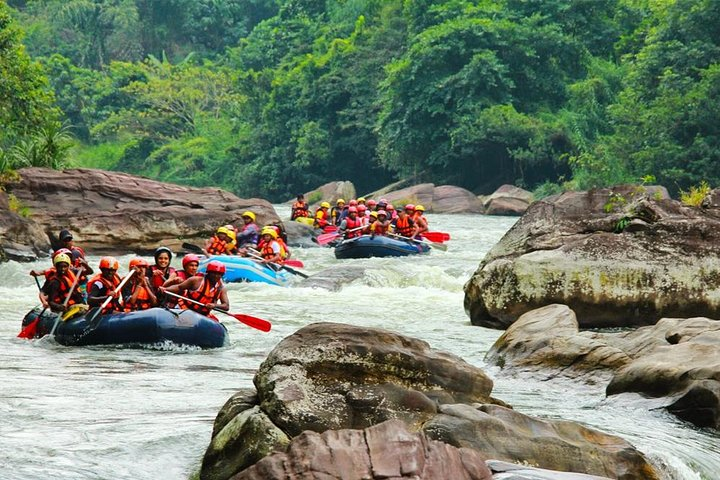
[(439, 246), (436, 236), (29, 330), (298, 263), (325, 238), (254, 322), (277, 265), (65, 303), (91, 325)]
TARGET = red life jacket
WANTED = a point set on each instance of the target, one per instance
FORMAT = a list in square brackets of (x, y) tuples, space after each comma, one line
[(158, 280), (299, 209), (350, 223), (404, 226), (380, 228), (205, 294), (142, 302), (108, 285), (65, 284), (217, 247)]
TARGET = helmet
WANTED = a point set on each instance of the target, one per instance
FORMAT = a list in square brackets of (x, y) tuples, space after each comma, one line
[(230, 227), (374, 214), (62, 258), (138, 262), (249, 214), (161, 250), (353, 202), (223, 230), (410, 207), (215, 267), (61, 251), (269, 231), (190, 258), (383, 201), (361, 208), (382, 212), (362, 199), (324, 205), (419, 208), (340, 201), (109, 263), (389, 206), (352, 210), (371, 203)]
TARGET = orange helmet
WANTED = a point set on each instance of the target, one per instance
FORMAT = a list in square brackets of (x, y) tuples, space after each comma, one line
[(215, 267), (138, 262), (110, 263)]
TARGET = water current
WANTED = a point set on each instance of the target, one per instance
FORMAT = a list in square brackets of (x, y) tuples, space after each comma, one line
[(118, 413)]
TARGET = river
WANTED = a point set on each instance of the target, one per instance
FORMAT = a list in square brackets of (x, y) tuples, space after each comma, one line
[(114, 413)]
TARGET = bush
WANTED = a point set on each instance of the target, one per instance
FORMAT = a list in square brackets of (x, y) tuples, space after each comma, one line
[(696, 195)]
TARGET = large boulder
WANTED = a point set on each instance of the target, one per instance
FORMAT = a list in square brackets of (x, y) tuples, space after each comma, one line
[(676, 359), (111, 212), (21, 238), (329, 192), (507, 200), (333, 377), (617, 257), (442, 199)]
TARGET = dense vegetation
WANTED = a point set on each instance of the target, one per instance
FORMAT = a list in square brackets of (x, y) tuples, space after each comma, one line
[(273, 97)]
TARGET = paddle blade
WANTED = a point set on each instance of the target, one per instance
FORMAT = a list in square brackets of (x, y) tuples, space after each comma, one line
[(192, 248), (325, 238), (295, 263), (254, 322), (434, 236), (29, 330)]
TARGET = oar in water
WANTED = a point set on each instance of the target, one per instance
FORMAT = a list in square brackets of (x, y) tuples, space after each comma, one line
[(439, 246), (29, 330), (436, 236), (325, 238), (277, 265), (254, 322), (65, 303), (298, 263), (91, 324)]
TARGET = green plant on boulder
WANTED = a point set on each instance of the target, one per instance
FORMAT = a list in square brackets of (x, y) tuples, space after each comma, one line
[(314, 197), (696, 195)]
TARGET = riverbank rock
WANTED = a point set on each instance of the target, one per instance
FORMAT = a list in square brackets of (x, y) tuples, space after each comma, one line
[(676, 359), (112, 212), (617, 257), (21, 238), (442, 199), (329, 192), (507, 200), (299, 234), (333, 377)]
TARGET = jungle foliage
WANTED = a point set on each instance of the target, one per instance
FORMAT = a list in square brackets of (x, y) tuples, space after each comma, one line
[(273, 97)]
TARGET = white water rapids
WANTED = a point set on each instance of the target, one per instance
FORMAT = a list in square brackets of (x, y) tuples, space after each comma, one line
[(114, 413)]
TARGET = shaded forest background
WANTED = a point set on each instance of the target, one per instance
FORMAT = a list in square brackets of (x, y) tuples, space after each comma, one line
[(274, 97)]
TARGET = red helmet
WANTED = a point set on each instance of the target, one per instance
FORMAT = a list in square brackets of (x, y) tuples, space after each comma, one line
[(215, 267), (361, 208), (389, 207), (109, 262), (352, 202), (371, 203), (190, 258), (138, 262), (410, 207), (381, 212), (352, 209), (57, 252)]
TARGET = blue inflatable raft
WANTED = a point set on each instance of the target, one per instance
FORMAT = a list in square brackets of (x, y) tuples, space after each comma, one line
[(242, 269), (155, 325), (379, 246)]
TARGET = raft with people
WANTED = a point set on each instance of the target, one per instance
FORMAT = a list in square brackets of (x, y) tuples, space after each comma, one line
[(366, 246), (142, 327)]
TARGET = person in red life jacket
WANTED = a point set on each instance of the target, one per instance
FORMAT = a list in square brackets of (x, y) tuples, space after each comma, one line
[(271, 251), (382, 225), (78, 260), (391, 213), (208, 290), (249, 235), (322, 216), (284, 249), (47, 273), (404, 225), (336, 211), (300, 208), (221, 243), (351, 222), (363, 213), (190, 263), (421, 224), (104, 285), (372, 205), (57, 286), (137, 293), (161, 271)]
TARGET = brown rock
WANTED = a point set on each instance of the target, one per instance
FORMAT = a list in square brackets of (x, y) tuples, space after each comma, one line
[(329, 192), (384, 451), (451, 199), (116, 212), (507, 200), (21, 238), (568, 249), (422, 194)]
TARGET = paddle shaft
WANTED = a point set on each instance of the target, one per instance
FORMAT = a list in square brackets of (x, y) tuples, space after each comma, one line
[(107, 300), (253, 322), (439, 246), (326, 238), (284, 267), (29, 330)]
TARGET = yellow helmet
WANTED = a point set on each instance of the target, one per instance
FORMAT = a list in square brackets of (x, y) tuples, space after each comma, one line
[(419, 208), (361, 199), (249, 214), (62, 258), (269, 231), (223, 230), (324, 205), (339, 201), (374, 214)]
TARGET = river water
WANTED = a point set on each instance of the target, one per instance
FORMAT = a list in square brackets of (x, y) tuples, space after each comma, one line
[(114, 413)]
